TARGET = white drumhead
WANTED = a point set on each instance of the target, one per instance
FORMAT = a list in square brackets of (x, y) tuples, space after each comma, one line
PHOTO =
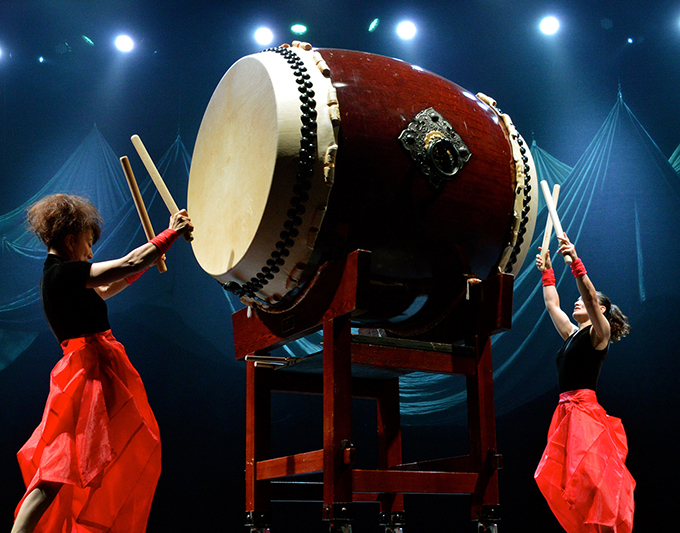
[(244, 169), (232, 166)]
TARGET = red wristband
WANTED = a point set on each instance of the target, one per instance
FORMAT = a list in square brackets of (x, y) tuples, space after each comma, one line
[(134, 277), (578, 269), (548, 277), (164, 239)]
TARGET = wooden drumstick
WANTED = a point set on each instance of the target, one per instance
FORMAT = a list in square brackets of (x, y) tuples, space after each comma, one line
[(139, 203), (547, 234), (156, 178), (553, 214)]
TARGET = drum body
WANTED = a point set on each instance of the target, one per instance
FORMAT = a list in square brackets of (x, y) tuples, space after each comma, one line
[(306, 155)]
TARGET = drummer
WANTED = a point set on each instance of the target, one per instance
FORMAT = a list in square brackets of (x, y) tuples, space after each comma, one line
[(582, 472), (94, 461)]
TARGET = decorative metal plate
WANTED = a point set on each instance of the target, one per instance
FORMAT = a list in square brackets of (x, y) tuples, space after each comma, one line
[(435, 146)]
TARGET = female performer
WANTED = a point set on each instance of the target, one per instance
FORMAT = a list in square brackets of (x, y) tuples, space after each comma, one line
[(582, 472), (93, 463)]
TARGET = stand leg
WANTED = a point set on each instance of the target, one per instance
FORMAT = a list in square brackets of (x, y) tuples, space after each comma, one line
[(337, 423), (389, 453), (258, 446), (482, 431)]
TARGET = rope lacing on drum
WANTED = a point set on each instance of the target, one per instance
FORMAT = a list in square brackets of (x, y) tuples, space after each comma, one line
[(303, 181), (526, 209)]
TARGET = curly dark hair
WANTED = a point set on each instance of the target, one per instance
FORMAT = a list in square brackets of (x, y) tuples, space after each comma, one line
[(54, 217), (618, 322)]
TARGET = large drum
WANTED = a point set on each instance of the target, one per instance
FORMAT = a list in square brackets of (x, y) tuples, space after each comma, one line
[(305, 155)]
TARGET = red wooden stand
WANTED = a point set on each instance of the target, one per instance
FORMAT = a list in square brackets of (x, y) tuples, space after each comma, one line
[(340, 293)]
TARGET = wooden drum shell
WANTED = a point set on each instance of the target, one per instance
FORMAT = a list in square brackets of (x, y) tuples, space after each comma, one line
[(379, 193)]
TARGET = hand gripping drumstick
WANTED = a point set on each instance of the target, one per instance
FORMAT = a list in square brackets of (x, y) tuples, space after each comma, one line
[(139, 203), (547, 234), (157, 179), (553, 214)]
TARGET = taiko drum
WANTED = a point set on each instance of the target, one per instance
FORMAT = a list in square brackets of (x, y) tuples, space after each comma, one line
[(305, 155)]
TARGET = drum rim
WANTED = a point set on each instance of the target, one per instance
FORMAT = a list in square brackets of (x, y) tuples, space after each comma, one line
[(524, 212)]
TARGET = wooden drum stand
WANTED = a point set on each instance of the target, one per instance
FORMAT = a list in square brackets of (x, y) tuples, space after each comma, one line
[(340, 293)]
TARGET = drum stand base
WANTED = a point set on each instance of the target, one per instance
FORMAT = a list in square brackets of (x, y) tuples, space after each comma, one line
[(393, 522), (488, 522), (257, 522), (337, 295)]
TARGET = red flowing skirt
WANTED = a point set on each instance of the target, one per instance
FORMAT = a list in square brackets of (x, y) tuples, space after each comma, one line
[(582, 473), (99, 437)]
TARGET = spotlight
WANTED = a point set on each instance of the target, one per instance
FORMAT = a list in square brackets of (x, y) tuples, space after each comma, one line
[(124, 43), (264, 36), (41, 59), (550, 25), (630, 40), (406, 30), (298, 29)]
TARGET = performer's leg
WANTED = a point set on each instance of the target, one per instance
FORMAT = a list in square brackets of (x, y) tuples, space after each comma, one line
[(34, 506)]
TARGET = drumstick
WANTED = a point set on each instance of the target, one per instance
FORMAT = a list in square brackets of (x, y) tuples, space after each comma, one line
[(139, 203), (547, 234), (553, 214), (156, 178)]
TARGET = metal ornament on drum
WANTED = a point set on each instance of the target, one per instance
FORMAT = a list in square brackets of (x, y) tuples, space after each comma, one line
[(305, 155)]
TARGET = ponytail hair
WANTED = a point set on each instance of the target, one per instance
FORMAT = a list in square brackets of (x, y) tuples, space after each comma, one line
[(618, 322)]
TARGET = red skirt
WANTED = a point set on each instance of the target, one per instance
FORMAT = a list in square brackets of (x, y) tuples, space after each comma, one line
[(582, 473), (99, 437)]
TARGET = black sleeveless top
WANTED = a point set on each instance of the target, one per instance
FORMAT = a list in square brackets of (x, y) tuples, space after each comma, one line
[(578, 363), (72, 310)]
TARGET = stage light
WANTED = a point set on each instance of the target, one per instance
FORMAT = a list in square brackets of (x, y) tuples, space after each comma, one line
[(374, 24), (264, 36), (124, 43), (630, 40), (41, 59), (406, 30), (298, 29), (550, 25)]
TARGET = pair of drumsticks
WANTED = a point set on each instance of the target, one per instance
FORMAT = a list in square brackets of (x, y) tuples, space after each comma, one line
[(553, 219), (137, 196)]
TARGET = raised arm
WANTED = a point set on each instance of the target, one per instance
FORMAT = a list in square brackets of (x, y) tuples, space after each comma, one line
[(601, 331), (551, 298), (109, 277)]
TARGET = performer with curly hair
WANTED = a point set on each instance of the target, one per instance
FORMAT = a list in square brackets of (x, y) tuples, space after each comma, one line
[(93, 463), (582, 472)]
